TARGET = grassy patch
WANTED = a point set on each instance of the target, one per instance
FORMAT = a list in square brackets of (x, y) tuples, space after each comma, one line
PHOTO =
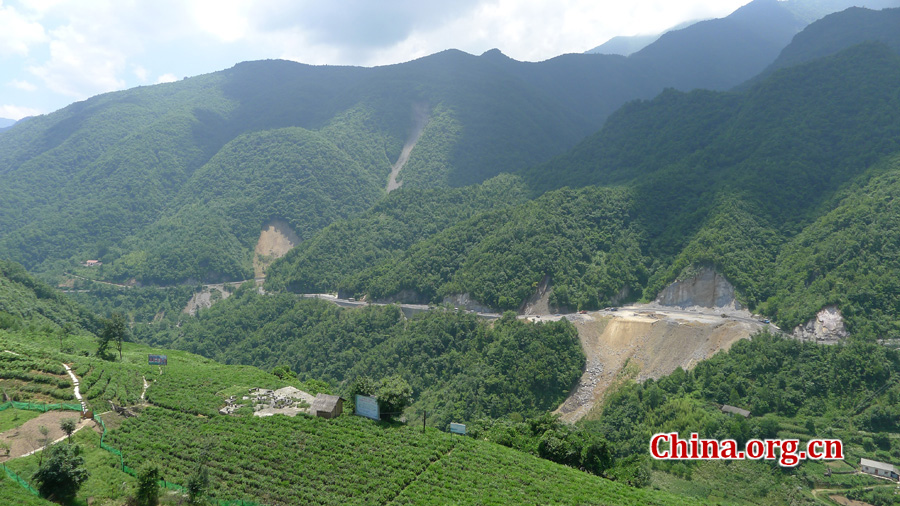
[(12, 418), (12, 493)]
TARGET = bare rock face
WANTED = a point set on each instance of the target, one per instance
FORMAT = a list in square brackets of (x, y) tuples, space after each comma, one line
[(706, 288), (826, 327), (539, 302)]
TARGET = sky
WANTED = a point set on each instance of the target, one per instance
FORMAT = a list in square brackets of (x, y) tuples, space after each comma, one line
[(55, 52)]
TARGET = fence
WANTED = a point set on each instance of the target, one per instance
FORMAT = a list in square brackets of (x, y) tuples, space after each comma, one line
[(32, 406), (43, 408), (15, 477)]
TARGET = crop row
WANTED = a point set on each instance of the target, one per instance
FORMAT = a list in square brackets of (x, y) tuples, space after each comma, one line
[(283, 460), (30, 377), (505, 476), (107, 381), (22, 362)]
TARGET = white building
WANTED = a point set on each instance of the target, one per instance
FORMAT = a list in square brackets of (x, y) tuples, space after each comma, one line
[(879, 469)]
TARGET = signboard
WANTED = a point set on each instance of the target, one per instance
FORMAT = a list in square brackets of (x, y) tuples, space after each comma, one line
[(458, 428), (158, 360), (368, 407)]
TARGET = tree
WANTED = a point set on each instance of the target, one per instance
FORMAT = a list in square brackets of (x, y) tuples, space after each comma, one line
[(197, 484), (394, 395), (148, 485), (115, 331), (68, 426), (283, 372), (63, 473), (45, 440), (363, 385)]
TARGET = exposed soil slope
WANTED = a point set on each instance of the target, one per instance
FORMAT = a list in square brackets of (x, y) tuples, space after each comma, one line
[(653, 340), (420, 119), (275, 240)]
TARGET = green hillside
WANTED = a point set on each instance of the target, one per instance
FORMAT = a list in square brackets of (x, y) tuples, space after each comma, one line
[(282, 460), (385, 231), (27, 303), (584, 240), (173, 182), (733, 180), (846, 258), (838, 31), (459, 367)]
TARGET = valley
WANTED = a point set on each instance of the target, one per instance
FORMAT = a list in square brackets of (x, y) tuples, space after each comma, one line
[(522, 270)]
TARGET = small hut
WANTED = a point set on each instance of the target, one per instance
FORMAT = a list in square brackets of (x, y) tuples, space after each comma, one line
[(735, 411), (327, 406)]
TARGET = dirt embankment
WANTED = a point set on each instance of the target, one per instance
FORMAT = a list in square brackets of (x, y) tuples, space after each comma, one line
[(652, 342), (275, 240), (539, 303)]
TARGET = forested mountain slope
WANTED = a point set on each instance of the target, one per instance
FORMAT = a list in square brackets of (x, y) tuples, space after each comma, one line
[(173, 182), (727, 179), (28, 302), (838, 31), (746, 41), (131, 172)]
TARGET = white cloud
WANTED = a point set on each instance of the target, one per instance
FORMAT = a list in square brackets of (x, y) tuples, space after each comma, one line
[(17, 112), (22, 85), (79, 67), (19, 33), (79, 48), (227, 20), (535, 30), (166, 78), (139, 72)]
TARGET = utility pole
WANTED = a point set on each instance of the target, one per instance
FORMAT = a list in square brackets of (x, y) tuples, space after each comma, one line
[(424, 414)]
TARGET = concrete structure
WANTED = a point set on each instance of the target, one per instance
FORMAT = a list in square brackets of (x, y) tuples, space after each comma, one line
[(879, 469), (327, 406)]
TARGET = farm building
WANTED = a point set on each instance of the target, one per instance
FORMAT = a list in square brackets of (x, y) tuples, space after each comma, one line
[(735, 411), (327, 406), (879, 469), (92, 263)]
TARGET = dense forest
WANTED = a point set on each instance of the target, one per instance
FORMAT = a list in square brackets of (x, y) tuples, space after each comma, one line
[(459, 366), (740, 181), (125, 177)]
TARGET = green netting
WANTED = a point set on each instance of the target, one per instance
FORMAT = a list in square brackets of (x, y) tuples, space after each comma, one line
[(43, 408), (172, 486), (15, 477)]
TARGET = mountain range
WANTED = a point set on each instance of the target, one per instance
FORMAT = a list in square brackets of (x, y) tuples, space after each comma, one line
[(173, 183)]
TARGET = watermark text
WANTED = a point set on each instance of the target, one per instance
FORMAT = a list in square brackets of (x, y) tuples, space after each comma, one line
[(788, 452)]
